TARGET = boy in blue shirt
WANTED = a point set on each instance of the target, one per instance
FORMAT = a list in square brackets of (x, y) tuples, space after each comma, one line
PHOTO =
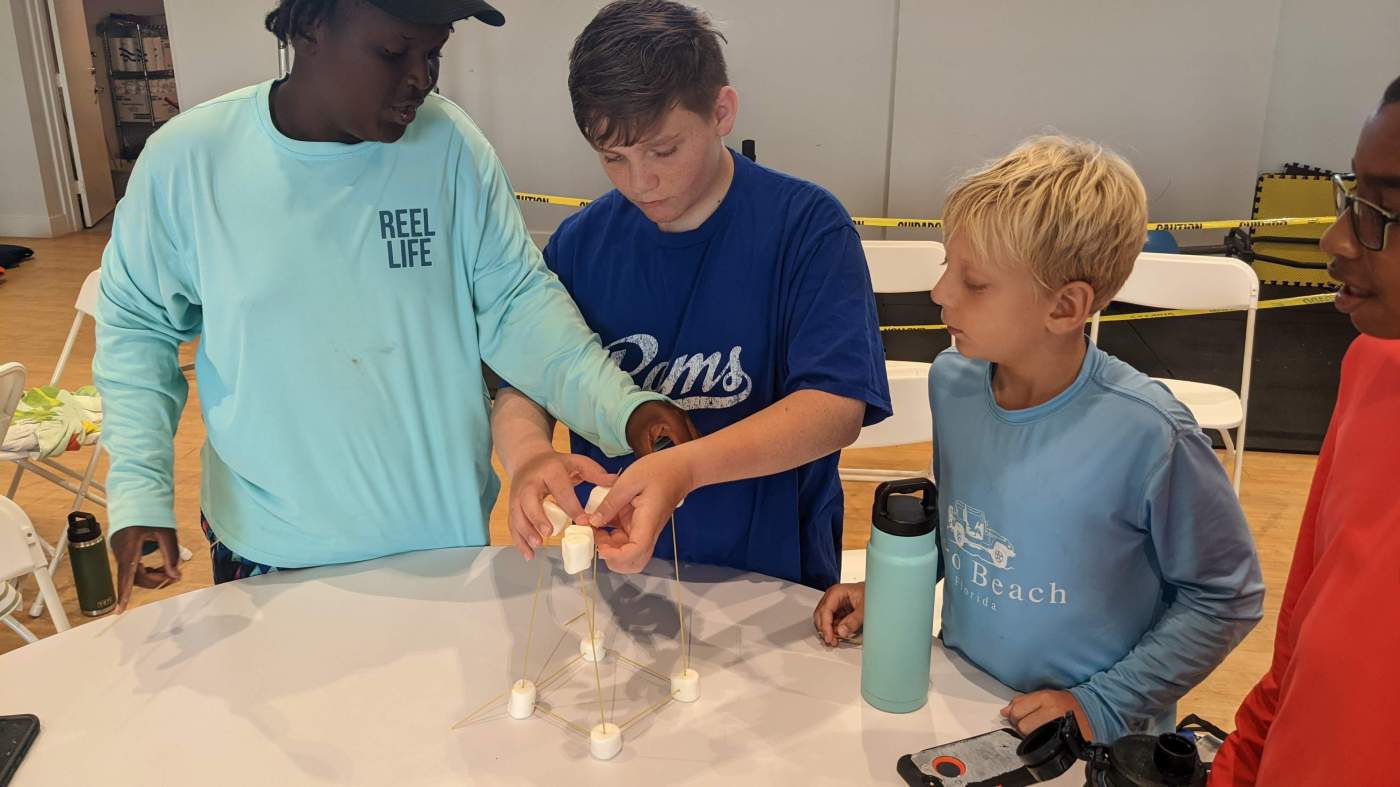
[(1094, 552), (739, 292)]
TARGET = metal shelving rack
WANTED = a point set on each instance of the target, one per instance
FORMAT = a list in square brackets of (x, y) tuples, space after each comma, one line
[(137, 29)]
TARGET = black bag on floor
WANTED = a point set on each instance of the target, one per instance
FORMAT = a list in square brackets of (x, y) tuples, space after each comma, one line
[(11, 256)]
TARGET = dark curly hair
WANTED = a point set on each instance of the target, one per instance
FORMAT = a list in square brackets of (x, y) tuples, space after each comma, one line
[(293, 19)]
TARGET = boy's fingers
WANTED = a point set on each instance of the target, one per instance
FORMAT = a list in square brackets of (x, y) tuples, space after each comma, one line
[(561, 487), (619, 496), (590, 471), (822, 616), (610, 539), (851, 623), (1041, 716), (522, 526), (1024, 705), (629, 558), (519, 540), (533, 516)]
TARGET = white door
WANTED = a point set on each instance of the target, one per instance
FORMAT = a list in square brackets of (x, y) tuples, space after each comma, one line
[(77, 65)]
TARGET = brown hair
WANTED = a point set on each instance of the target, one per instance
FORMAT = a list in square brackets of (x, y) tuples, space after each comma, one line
[(637, 60)]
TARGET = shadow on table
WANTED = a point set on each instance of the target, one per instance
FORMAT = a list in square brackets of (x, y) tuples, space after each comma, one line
[(285, 657), (765, 635)]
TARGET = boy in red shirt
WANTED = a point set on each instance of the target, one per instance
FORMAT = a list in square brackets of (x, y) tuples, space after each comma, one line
[(1320, 715)]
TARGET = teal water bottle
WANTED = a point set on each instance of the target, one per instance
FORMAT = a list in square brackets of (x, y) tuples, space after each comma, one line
[(901, 567)]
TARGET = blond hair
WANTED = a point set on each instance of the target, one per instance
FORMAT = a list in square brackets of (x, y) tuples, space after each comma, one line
[(1067, 209)]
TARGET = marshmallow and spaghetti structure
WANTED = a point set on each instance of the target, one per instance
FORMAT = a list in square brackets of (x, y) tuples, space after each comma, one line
[(579, 555)]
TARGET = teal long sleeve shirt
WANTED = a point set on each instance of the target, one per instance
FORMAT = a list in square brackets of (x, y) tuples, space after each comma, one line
[(344, 298)]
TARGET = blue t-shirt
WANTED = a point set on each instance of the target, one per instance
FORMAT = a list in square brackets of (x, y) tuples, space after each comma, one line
[(771, 295), (1091, 543)]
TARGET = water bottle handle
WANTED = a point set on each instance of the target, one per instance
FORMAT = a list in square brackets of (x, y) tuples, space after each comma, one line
[(906, 486)]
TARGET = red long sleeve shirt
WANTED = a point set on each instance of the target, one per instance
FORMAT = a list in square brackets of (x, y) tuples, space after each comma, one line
[(1326, 712)]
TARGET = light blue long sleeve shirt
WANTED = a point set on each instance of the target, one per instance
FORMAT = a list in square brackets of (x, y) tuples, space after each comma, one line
[(344, 298), (1092, 543)]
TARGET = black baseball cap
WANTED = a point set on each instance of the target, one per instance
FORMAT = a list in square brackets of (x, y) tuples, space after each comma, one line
[(440, 12)]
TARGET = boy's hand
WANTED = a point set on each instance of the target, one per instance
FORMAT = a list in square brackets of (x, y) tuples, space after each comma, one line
[(840, 613), (638, 506), (1029, 711), (550, 474)]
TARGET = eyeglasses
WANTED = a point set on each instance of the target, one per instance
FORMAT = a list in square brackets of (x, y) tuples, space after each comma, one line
[(1369, 221)]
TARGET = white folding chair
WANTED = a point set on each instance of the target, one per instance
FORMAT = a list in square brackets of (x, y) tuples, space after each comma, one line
[(898, 266), (21, 553), (1182, 281), (82, 485)]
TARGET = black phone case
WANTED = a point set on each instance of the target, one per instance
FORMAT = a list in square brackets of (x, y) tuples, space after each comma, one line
[(987, 760), (17, 733)]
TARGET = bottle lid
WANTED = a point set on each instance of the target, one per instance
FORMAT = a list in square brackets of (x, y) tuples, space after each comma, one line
[(83, 527), (899, 513), (1176, 757)]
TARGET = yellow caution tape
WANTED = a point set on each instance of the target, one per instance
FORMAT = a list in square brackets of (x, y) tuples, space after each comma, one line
[(1231, 224), (913, 224), (550, 199), (1277, 303), (931, 224)]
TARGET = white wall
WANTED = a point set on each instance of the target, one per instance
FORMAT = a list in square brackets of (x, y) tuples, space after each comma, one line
[(1197, 93), (219, 46), (21, 191), (815, 95), (1176, 86), (1333, 61), (34, 170)]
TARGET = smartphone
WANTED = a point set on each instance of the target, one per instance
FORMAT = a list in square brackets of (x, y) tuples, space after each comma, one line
[(16, 735), (987, 760)]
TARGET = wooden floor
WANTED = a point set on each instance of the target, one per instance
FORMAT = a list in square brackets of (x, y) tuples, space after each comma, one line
[(36, 310)]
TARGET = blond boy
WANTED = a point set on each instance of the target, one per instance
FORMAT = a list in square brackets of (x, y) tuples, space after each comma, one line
[(1095, 556)]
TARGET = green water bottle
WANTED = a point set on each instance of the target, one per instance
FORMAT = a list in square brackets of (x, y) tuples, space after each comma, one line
[(92, 574), (901, 568)]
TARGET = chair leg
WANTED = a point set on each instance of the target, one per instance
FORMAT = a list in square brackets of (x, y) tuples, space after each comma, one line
[(14, 488), (86, 484), (1239, 469), (47, 547), (59, 552), (1231, 458), (48, 591), (24, 633)]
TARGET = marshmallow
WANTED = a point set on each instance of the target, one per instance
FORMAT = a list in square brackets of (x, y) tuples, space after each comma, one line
[(522, 699), (595, 498), (685, 686), (605, 741), (598, 652), (557, 518), (577, 548)]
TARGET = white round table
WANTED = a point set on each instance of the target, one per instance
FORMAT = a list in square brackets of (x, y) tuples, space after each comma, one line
[(355, 675)]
